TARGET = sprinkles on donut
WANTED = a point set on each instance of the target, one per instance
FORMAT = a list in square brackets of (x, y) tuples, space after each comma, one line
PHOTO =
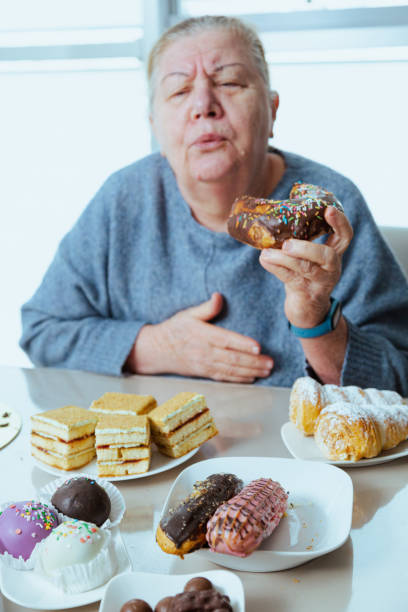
[(266, 224)]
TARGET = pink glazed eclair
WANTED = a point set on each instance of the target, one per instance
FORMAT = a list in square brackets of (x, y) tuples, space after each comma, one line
[(239, 525)]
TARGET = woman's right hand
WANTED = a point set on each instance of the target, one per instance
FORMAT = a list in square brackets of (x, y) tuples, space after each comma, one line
[(189, 345)]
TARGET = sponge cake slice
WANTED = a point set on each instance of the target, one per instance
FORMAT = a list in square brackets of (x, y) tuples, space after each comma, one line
[(181, 424), (64, 437)]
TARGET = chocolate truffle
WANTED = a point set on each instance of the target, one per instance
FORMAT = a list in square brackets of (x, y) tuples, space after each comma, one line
[(164, 605), (136, 605), (198, 584), (23, 525), (82, 498)]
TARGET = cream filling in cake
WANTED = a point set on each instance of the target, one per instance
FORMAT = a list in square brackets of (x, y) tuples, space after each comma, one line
[(117, 430), (181, 432), (60, 446), (64, 456), (60, 425), (176, 411), (120, 462), (197, 399), (129, 445), (114, 411)]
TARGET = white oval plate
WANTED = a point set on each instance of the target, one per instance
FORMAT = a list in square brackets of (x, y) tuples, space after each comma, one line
[(304, 447), (317, 521), (153, 587), (10, 424), (29, 589), (159, 463)]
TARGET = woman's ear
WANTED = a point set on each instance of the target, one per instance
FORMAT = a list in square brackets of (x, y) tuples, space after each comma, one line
[(274, 102), (152, 124), (155, 142)]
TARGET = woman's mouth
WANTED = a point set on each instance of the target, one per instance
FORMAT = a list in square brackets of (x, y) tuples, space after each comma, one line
[(209, 142)]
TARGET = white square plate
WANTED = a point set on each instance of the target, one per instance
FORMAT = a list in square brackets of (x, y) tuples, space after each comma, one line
[(304, 447), (317, 521), (153, 587), (29, 589)]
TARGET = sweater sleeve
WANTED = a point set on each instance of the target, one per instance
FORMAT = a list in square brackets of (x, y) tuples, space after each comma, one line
[(374, 293), (68, 322)]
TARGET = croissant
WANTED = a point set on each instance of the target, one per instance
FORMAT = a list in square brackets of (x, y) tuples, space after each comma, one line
[(348, 432), (308, 398)]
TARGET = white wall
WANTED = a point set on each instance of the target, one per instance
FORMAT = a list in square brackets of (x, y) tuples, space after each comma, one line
[(62, 134), (351, 116)]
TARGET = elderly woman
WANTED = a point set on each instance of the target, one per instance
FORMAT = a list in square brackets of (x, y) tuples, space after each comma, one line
[(148, 280)]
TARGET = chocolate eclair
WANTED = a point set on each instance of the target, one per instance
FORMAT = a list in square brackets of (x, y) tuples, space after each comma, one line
[(183, 529)]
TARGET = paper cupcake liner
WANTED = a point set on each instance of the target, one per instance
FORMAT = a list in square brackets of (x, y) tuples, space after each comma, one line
[(20, 564), (83, 576), (118, 505)]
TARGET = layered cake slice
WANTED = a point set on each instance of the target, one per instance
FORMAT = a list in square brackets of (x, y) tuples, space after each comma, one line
[(64, 438), (123, 403), (181, 424), (122, 444)]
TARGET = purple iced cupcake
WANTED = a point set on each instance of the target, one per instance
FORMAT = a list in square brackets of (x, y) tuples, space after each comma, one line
[(22, 526)]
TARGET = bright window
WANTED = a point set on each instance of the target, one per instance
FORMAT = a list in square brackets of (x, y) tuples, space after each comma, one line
[(73, 109), (226, 7)]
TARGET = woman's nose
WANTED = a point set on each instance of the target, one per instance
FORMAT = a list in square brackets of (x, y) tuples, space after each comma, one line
[(204, 103)]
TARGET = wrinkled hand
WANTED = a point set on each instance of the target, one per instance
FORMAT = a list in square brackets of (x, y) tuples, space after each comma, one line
[(189, 345), (310, 271)]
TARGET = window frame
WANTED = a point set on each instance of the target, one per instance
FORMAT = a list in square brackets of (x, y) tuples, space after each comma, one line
[(389, 24)]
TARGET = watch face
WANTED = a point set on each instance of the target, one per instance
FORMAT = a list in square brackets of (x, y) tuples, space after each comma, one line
[(336, 316)]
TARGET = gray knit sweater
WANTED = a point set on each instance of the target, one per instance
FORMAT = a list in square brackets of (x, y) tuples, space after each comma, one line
[(137, 256)]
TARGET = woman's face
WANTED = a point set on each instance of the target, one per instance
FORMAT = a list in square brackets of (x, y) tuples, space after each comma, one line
[(211, 111)]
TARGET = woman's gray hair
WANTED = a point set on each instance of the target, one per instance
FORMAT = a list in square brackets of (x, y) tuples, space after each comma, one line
[(196, 25)]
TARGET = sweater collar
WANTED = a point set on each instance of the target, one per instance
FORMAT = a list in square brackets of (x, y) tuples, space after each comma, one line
[(176, 201)]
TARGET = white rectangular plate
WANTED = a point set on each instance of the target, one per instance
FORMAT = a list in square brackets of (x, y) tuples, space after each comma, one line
[(317, 521), (29, 589), (153, 587), (304, 447)]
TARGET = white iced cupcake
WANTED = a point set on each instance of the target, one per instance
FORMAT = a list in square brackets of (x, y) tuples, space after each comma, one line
[(77, 556)]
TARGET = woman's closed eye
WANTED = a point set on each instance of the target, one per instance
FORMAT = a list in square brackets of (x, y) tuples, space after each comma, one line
[(180, 92), (231, 84)]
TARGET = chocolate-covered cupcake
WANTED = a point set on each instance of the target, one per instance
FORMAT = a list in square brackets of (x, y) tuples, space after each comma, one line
[(84, 499)]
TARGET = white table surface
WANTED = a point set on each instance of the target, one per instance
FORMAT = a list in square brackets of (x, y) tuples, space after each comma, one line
[(368, 573)]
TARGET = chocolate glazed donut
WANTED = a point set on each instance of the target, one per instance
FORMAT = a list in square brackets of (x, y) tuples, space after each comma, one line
[(266, 224)]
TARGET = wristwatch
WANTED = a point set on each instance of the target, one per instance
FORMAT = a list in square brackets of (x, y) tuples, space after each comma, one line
[(330, 323)]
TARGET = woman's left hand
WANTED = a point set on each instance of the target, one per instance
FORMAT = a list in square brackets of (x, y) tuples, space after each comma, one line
[(310, 271)]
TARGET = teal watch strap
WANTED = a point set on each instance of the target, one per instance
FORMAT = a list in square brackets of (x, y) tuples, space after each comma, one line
[(325, 327)]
